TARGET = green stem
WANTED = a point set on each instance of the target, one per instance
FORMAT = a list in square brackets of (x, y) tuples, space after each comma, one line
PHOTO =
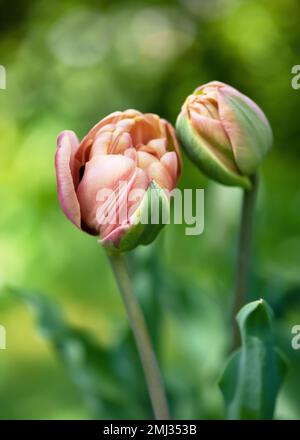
[(243, 256), (143, 342)]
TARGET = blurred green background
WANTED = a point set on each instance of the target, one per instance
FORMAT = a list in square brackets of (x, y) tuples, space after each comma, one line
[(70, 63)]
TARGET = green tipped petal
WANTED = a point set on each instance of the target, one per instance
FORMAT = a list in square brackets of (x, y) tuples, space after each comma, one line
[(146, 222), (204, 158), (247, 128)]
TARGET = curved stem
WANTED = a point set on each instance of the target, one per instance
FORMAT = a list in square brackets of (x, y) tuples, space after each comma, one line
[(243, 255), (143, 342)]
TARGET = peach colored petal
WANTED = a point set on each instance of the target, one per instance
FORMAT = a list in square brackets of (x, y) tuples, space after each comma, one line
[(67, 144), (200, 108), (157, 147), (131, 113), (170, 162), (173, 144), (125, 124), (115, 211), (121, 142), (106, 127), (137, 192), (145, 159), (132, 154), (210, 129), (101, 172), (101, 144), (207, 108), (158, 172), (146, 127), (86, 143), (115, 235), (209, 87)]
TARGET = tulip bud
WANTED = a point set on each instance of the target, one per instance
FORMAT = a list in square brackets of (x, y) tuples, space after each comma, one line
[(108, 180), (224, 132)]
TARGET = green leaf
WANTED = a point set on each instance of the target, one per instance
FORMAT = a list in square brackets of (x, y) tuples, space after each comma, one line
[(254, 373), (101, 375)]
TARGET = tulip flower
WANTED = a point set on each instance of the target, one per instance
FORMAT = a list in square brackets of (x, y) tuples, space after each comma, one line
[(227, 136), (224, 132), (125, 153), (131, 148)]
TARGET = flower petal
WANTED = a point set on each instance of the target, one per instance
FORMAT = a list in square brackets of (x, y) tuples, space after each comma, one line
[(146, 127), (170, 162), (66, 169), (156, 147), (158, 172), (247, 128), (173, 143), (211, 129), (101, 173), (87, 142), (101, 144), (137, 191), (145, 159)]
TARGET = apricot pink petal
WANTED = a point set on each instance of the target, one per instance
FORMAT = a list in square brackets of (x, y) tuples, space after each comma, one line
[(145, 159), (101, 172), (67, 144), (100, 146), (172, 139), (142, 130), (88, 140), (137, 191), (170, 162), (210, 129), (135, 196), (157, 172)]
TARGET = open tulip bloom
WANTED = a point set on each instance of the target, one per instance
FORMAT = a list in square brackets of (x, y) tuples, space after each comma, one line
[(106, 181), (106, 186)]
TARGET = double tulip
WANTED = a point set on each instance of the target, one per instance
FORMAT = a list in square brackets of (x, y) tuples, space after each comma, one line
[(125, 153), (224, 132)]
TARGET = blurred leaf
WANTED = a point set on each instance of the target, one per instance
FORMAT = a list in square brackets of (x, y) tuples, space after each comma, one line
[(103, 376), (254, 373)]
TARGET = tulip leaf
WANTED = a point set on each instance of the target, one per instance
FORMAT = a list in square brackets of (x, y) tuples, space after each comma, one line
[(254, 373), (204, 158), (101, 375)]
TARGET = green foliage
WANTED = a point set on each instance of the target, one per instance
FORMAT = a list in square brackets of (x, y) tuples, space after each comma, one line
[(103, 376), (254, 373)]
